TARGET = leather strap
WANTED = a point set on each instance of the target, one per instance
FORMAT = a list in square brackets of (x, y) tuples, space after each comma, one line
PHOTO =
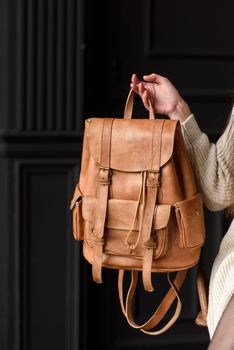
[(201, 319), (162, 309), (103, 182), (129, 107), (149, 243), (157, 143), (152, 184)]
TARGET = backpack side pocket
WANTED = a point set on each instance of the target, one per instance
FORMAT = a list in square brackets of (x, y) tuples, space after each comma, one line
[(77, 220), (190, 220)]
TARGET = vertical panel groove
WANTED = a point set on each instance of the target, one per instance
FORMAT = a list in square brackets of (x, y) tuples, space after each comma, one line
[(60, 73), (79, 67), (50, 68), (4, 64), (41, 45), (30, 66), (70, 65), (20, 64)]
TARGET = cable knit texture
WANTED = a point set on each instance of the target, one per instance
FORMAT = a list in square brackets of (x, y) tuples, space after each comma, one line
[(213, 166)]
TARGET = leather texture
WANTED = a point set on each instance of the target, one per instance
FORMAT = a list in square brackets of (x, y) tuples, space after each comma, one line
[(136, 207)]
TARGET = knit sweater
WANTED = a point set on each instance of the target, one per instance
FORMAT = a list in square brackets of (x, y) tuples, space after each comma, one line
[(213, 166)]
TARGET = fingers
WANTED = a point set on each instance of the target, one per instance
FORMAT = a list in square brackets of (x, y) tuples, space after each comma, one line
[(154, 78), (139, 88), (142, 90), (144, 95), (135, 79), (145, 99), (135, 83)]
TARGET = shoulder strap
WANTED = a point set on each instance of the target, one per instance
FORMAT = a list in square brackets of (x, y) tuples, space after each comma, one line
[(162, 309), (166, 303), (202, 295), (152, 185)]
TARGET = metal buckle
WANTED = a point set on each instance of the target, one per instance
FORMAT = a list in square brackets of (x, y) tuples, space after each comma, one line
[(154, 180), (105, 169)]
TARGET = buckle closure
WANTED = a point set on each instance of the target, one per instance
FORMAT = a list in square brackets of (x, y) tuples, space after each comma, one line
[(102, 168), (154, 179), (104, 176)]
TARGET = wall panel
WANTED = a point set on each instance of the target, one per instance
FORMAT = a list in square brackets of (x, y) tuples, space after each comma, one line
[(45, 38), (188, 34), (41, 123)]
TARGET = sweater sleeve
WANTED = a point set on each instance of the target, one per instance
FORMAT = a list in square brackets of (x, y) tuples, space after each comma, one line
[(213, 164)]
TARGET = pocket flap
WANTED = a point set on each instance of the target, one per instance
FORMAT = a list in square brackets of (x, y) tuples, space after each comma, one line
[(78, 228), (161, 216), (76, 195), (120, 213)]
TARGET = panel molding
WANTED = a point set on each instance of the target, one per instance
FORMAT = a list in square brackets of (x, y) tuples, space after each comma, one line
[(40, 144), (152, 50), (24, 171)]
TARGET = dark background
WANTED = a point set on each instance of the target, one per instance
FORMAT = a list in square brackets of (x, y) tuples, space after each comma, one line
[(61, 62)]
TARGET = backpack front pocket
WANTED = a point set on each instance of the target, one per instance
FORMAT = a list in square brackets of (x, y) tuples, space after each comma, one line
[(118, 223), (162, 215)]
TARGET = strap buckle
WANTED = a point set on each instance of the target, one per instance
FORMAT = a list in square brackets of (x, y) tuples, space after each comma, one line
[(102, 168), (154, 179)]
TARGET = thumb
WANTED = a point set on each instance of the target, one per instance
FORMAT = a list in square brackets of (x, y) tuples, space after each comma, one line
[(154, 78)]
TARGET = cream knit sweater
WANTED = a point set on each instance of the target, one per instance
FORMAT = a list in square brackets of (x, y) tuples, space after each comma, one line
[(213, 165)]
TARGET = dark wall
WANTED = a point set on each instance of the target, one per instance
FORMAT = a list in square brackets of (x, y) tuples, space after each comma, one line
[(60, 62), (41, 103)]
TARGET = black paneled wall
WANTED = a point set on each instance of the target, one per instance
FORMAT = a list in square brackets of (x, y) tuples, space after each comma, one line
[(41, 103), (43, 50)]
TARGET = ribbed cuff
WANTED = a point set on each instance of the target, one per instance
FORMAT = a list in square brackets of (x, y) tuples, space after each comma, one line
[(191, 128)]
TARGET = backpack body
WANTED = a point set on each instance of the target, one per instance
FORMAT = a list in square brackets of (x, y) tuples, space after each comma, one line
[(136, 205)]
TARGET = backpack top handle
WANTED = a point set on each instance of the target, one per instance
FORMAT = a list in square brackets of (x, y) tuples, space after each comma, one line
[(129, 107)]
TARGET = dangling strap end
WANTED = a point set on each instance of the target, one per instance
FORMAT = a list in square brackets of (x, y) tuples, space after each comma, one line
[(147, 265), (97, 259)]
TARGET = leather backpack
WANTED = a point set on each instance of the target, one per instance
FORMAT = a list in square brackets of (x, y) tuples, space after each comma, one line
[(136, 207)]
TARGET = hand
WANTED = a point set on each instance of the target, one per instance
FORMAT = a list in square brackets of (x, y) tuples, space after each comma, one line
[(163, 95)]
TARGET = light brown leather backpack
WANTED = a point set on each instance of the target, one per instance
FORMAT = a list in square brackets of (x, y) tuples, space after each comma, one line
[(136, 208)]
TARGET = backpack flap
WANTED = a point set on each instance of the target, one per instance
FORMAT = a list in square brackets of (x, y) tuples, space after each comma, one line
[(132, 143)]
